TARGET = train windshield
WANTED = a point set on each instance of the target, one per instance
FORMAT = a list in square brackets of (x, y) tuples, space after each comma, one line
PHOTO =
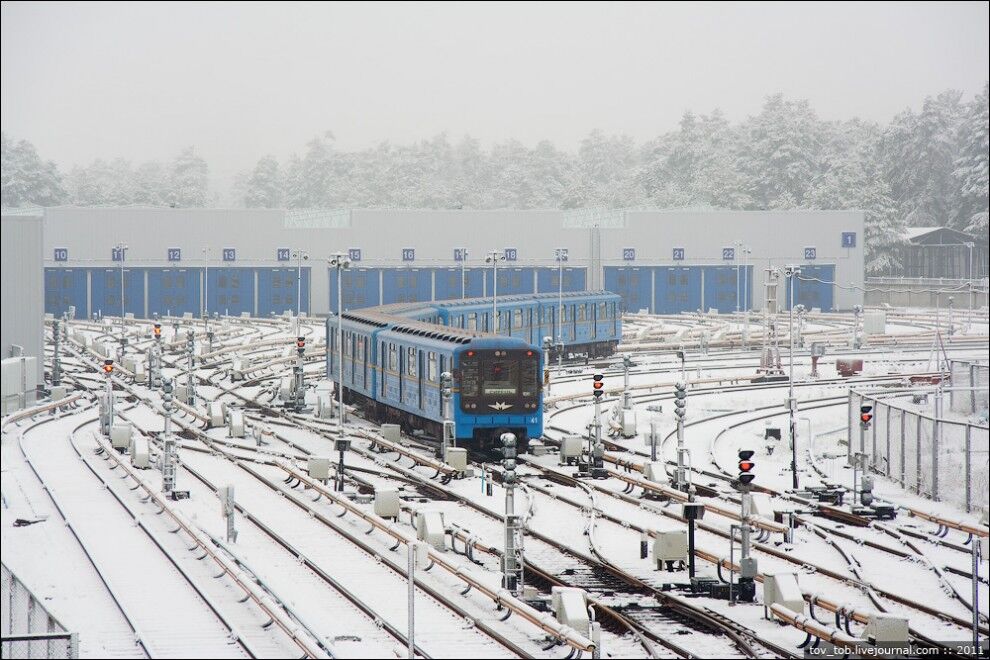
[(501, 377), (506, 378)]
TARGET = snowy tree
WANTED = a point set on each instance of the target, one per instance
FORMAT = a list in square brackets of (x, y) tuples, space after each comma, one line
[(781, 156), (188, 180), (102, 183), (151, 184), (263, 188), (27, 179), (972, 167), (919, 152)]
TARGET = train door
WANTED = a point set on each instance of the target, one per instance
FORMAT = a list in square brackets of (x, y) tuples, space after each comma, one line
[(419, 376)]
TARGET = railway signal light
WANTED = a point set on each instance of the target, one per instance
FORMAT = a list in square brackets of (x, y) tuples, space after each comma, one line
[(446, 384), (157, 330), (108, 367), (680, 399), (300, 342), (746, 465), (865, 416), (598, 385)]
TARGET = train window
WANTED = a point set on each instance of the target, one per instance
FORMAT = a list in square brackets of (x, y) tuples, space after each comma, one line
[(431, 367), (602, 311), (393, 358), (582, 312), (500, 377), (411, 361), (517, 318), (472, 321)]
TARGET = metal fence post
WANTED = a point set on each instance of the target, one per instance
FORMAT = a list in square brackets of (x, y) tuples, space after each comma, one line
[(969, 468), (917, 456), (936, 428), (903, 448), (886, 470)]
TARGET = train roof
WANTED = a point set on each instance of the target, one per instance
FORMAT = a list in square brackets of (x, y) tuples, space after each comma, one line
[(525, 297)]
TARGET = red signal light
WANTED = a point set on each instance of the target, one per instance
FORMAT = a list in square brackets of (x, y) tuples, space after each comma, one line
[(470, 353), (529, 353), (746, 466), (108, 367)]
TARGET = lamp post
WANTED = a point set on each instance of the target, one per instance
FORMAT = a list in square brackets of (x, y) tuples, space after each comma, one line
[(300, 256), (493, 258), (206, 289), (122, 250), (464, 255), (561, 255), (969, 315), (341, 262), (791, 272)]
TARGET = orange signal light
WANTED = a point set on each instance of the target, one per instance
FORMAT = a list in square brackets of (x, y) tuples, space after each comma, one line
[(746, 466)]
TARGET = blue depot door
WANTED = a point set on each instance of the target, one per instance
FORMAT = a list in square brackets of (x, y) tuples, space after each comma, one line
[(231, 291), (511, 281), (633, 284), (722, 288), (360, 288), (449, 283), (65, 287), (547, 280), (105, 283), (278, 290), (678, 289), (407, 285), (174, 291), (813, 287)]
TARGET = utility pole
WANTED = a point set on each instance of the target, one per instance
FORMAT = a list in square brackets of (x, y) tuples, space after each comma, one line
[(493, 258), (299, 377), (190, 358), (341, 262), (512, 561), (561, 256), (770, 351), (300, 256), (680, 410), (122, 251), (449, 427), (168, 451), (206, 289), (463, 252), (791, 272), (597, 450), (106, 413), (56, 357), (747, 564)]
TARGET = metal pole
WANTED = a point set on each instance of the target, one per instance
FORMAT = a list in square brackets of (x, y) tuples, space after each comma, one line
[(790, 382), (976, 591), (411, 605), (56, 359), (494, 292), (340, 361), (206, 289), (298, 288)]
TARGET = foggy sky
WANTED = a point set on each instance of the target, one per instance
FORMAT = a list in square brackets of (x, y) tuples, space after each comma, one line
[(142, 81)]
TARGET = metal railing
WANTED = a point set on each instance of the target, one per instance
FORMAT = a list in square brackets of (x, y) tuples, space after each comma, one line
[(30, 630), (935, 457)]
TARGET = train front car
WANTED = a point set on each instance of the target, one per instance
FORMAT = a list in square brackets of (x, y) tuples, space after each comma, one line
[(499, 389)]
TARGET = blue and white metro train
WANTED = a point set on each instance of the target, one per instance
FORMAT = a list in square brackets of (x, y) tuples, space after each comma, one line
[(393, 356)]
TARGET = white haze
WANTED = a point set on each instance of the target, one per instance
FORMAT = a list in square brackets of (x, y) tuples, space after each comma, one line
[(85, 81)]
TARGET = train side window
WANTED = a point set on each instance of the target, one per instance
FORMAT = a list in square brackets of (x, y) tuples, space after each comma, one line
[(431, 367), (472, 321), (393, 358), (517, 319), (411, 361)]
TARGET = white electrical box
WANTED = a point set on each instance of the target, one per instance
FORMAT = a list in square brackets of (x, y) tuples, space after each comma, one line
[(655, 471), (59, 392), (457, 458), (627, 419), (429, 528), (215, 414), (874, 322), (140, 375), (324, 406), (571, 446), (387, 504), (318, 467), (140, 454), (235, 425), (782, 589), (120, 435), (885, 628), (392, 433), (670, 545), (570, 608)]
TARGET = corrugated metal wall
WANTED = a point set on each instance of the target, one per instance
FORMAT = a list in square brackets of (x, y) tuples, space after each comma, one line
[(22, 284), (385, 240)]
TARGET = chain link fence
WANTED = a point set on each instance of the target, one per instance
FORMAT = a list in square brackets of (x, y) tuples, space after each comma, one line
[(941, 459), (29, 630), (970, 386)]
